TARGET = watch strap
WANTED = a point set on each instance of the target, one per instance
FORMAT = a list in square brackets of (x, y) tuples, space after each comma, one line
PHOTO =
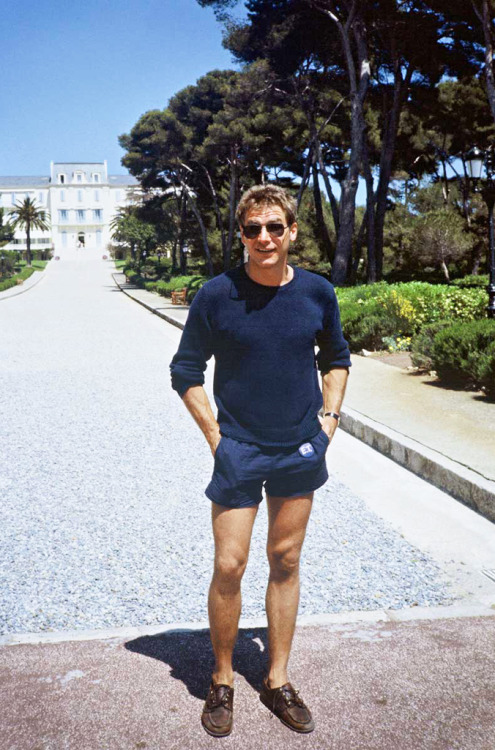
[(332, 414)]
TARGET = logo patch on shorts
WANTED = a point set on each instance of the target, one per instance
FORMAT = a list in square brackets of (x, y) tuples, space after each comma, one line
[(306, 450)]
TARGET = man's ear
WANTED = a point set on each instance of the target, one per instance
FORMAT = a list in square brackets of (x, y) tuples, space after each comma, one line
[(293, 232)]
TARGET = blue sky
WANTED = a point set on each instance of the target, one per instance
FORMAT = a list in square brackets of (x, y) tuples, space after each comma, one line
[(77, 75)]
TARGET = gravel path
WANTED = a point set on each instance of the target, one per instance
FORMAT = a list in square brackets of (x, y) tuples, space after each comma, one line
[(103, 517)]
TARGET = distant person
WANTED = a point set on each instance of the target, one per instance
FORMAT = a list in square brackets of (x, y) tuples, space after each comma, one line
[(261, 321)]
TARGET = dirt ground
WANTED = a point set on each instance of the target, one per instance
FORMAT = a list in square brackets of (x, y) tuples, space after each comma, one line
[(396, 359)]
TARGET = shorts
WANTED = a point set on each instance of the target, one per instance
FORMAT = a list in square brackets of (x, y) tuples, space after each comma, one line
[(241, 470)]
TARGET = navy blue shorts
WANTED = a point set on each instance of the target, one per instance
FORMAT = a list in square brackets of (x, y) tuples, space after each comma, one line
[(241, 470)]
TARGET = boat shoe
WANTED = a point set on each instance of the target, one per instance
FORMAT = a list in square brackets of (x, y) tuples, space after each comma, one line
[(288, 706), (218, 711)]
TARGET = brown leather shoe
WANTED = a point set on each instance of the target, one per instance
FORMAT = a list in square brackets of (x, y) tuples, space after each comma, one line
[(288, 706), (218, 711)]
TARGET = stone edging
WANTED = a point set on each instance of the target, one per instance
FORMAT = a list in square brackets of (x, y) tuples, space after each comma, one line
[(461, 482)]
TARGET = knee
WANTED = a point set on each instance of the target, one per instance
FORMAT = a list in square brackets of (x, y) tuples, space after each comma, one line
[(229, 568), (284, 560)]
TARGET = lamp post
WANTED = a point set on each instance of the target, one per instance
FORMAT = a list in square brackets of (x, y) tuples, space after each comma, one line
[(475, 160), (2, 265)]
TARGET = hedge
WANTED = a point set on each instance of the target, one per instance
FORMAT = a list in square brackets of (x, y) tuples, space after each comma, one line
[(18, 278), (464, 353), (372, 312), (165, 288)]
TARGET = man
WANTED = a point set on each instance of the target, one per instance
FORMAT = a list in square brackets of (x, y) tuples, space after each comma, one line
[(261, 321)]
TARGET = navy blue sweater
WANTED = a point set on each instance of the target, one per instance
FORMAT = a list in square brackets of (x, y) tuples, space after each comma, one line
[(263, 338)]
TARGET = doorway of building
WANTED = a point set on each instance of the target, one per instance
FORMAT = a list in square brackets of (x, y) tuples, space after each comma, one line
[(81, 239)]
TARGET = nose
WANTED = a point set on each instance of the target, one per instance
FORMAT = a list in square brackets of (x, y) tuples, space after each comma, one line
[(264, 235)]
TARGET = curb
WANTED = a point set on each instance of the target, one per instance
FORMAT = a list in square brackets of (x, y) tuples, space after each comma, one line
[(37, 276), (129, 288), (453, 611), (459, 481)]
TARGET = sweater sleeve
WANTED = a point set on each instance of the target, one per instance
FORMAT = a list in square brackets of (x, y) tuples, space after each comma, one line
[(195, 349), (333, 348)]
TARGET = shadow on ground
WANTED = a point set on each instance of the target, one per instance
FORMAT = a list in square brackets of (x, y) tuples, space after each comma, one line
[(190, 656)]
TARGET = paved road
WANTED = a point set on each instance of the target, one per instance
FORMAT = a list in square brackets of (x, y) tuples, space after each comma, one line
[(102, 475)]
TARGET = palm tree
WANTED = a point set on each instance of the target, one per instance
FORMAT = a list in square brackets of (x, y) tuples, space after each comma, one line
[(27, 216)]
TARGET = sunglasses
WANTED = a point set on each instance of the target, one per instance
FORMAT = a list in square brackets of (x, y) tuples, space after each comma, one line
[(253, 230)]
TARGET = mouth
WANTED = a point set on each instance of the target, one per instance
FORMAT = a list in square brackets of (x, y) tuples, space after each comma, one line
[(264, 251)]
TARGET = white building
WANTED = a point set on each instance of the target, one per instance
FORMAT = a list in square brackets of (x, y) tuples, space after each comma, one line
[(80, 198)]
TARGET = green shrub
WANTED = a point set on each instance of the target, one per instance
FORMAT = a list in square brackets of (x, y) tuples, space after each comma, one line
[(363, 324), (422, 344), (24, 274), (464, 352), (468, 282), (133, 277), (482, 369), (8, 283), (400, 311), (165, 288)]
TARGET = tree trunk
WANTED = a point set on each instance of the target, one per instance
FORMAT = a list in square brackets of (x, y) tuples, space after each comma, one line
[(386, 158), (28, 244), (328, 187), (218, 215), (174, 253), (204, 235), (232, 205), (445, 270), (182, 230), (478, 256), (487, 33), (359, 75), (305, 177), (369, 215), (320, 218), (359, 248)]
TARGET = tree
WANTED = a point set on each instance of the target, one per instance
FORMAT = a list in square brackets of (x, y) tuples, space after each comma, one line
[(6, 230), (27, 216), (139, 236), (440, 239)]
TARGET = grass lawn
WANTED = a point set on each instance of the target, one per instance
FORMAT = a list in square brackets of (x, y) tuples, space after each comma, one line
[(38, 265), (119, 264)]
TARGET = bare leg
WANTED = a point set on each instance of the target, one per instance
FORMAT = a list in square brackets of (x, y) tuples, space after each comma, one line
[(232, 528), (287, 518)]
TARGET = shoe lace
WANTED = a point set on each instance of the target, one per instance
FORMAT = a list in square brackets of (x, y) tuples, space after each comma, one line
[(292, 698), (215, 702)]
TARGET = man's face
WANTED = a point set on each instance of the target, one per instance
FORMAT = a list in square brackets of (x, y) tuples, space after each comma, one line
[(267, 251)]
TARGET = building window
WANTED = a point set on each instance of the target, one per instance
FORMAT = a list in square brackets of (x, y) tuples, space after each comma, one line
[(98, 236), (97, 195), (78, 177), (40, 198), (62, 196), (80, 215), (96, 178), (64, 239), (61, 179), (62, 214), (80, 196), (12, 199), (97, 214)]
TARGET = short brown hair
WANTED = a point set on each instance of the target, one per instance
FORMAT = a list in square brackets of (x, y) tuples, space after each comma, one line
[(266, 195)]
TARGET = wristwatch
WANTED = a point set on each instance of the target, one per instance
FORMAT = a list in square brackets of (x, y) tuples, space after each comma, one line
[(334, 415)]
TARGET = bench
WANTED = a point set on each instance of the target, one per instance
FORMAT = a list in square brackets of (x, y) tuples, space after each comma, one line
[(179, 296)]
